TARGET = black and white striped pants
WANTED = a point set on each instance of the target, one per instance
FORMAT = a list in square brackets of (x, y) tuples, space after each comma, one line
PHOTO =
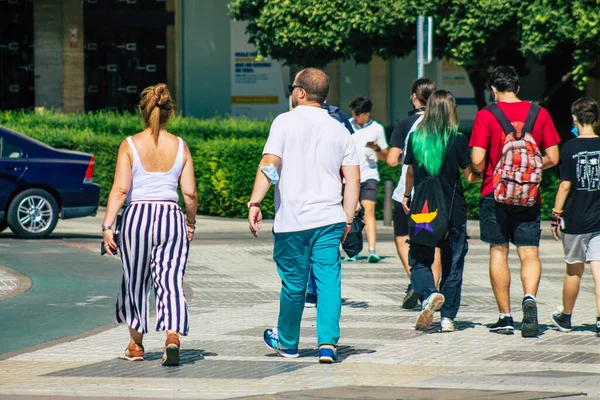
[(153, 244)]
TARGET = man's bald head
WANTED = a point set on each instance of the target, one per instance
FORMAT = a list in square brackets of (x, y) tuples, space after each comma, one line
[(315, 82)]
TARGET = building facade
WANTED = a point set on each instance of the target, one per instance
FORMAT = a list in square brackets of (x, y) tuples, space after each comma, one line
[(74, 55)]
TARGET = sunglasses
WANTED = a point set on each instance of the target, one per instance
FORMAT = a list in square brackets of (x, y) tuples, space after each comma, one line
[(291, 87)]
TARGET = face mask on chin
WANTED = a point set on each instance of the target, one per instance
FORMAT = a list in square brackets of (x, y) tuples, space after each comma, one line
[(575, 131)]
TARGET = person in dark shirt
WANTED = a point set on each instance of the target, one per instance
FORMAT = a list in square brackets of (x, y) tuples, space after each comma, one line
[(337, 114), (421, 89), (436, 148), (579, 196)]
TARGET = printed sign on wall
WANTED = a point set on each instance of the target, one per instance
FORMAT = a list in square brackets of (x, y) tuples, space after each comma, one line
[(454, 78), (258, 86)]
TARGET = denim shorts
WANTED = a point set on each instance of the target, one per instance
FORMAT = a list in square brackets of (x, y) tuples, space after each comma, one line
[(502, 223)]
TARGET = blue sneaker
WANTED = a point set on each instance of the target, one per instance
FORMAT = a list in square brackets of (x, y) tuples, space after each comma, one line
[(272, 341), (327, 355)]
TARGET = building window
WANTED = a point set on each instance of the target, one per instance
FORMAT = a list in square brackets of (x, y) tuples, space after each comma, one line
[(16, 55), (125, 51)]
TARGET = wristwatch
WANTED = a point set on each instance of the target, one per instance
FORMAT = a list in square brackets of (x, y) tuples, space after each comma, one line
[(106, 228), (253, 204)]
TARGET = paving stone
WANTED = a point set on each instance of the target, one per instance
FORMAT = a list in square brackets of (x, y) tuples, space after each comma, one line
[(236, 297)]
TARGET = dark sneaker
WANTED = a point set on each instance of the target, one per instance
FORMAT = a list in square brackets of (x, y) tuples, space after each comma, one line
[(272, 341), (504, 326), (410, 299), (311, 300), (561, 320), (431, 304), (529, 327), (598, 326), (327, 355)]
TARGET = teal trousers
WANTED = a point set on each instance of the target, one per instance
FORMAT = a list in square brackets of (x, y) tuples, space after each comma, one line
[(295, 253)]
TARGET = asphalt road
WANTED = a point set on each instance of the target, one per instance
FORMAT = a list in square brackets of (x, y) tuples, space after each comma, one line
[(73, 290)]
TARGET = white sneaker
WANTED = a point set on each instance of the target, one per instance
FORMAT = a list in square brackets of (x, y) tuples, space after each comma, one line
[(448, 325), (433, 303)]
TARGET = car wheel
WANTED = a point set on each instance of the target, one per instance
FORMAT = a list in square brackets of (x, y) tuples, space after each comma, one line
[(33, 214)]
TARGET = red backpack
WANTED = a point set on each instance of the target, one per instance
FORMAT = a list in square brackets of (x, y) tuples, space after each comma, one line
[(518, 174)]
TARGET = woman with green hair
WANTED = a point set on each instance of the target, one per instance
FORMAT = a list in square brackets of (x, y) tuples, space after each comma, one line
[(436, 148)]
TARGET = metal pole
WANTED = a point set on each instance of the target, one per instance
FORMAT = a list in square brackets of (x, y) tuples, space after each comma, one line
[(420, 45), (387, 203)]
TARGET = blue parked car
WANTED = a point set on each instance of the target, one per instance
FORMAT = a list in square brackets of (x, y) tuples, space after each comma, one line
[(40, 184)]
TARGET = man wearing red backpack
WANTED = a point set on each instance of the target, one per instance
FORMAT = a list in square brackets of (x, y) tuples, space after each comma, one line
[(512, 141)]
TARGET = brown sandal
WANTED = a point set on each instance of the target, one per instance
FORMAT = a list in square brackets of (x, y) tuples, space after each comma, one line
[(134, 352), (171, 353)]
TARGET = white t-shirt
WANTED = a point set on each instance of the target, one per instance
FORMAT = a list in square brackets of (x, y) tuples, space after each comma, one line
[(312, 147), (398, 194), (372, 131)]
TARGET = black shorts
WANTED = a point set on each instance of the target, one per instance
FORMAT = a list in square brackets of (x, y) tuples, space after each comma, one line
[(368, 190), (501, 223), (400, 220)]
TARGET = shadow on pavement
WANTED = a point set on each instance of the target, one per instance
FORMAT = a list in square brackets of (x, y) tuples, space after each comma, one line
[(354, 304), (343, 352), (186, 356)]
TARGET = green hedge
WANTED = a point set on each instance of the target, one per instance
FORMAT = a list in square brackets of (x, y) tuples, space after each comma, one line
[(226, 153), (127, 124)]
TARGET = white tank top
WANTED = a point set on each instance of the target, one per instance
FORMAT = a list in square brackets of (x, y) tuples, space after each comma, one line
[(154, 185)]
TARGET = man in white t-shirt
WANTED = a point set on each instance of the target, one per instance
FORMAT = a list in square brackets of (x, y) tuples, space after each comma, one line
[(303, 156), (371, 145)]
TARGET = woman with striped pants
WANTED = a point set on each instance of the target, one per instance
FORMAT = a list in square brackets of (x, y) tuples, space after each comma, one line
[(155, 234)]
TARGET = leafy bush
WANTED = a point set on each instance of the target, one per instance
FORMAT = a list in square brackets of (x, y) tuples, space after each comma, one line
[(225, 171), (127, 124), (226, 154)]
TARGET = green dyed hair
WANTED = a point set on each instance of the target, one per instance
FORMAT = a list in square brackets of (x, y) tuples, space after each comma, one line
[(439, 125)]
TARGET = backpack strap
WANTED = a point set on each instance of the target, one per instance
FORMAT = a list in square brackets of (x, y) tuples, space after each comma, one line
[(507, 127), (534, 110), (502, 119)]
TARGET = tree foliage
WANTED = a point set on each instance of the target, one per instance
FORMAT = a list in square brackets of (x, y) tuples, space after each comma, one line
[(477, 34)]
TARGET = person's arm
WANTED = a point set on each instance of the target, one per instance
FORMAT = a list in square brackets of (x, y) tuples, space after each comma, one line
[(261, 187), (382, 144), (478, 155), (188, 189), (559, 202), (551, 157), (465, 160), (470, 175), (118, 194), (550, 140), (351, 194), (410, 178), (393, 156), (480, 140)]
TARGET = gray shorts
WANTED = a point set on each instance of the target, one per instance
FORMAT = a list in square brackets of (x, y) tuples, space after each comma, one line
[(581, 248)]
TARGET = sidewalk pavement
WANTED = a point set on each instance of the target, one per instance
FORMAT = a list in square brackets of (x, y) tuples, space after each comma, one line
[(233, 292), (218, 227)]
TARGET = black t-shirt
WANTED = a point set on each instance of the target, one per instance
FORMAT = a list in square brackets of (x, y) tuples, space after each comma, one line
[(580, 165), (457, 159), (401, 129)]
